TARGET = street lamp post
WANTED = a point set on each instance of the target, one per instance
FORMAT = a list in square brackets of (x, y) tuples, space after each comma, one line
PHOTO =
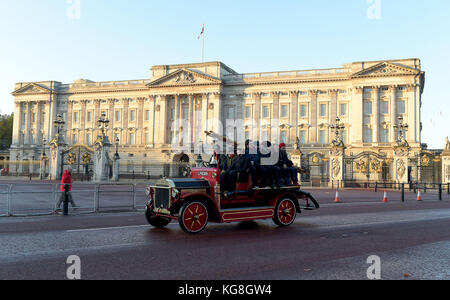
[(116, 161), (59, 125), (103, 124), (338, 127), (43, 160)]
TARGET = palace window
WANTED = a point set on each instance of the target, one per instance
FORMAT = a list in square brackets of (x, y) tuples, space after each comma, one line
[(384, 135), (117, 116), (248, 112), (147, 115), (89, 139), (230, 113), (368, 108), (401, 107), (132, 140), (89, 116), (147, 138), (75, 138), (132, 116), (185, 112), (283, 136), (284, 111), (266, 111), (303, 110), (384, 107), (75, 117), (323, 137), (368, 135), (343, 107), (323, 110), (303, 137)]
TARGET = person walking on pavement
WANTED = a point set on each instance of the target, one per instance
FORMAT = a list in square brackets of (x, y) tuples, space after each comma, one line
[(66, 179)]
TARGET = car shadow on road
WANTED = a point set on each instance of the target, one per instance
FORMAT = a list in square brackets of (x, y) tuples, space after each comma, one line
[(229, 233)]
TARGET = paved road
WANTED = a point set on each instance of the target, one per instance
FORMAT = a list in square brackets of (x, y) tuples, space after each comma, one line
[(40, 198), (332, 243)]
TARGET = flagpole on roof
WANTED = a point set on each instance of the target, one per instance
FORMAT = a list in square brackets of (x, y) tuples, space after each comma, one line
[(202, 35), (203, 47), (203, 44)]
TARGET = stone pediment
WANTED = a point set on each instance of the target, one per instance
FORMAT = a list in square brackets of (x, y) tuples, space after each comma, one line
[(32, 88), (386, 69), (184, 77)]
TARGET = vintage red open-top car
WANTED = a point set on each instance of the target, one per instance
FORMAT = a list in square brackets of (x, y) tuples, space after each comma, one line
[(198, 200)]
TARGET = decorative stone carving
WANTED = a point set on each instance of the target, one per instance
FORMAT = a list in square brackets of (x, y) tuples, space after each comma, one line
[(401, 168), (185, 77), (336, 167)]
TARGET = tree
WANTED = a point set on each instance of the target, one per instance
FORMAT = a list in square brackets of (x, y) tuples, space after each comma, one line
[(6, 130)]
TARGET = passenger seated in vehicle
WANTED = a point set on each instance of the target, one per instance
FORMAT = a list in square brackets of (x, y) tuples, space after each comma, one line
[(271, 166), (241, 169), (251, 153), (286, 166), (225, 163), (264, 171)]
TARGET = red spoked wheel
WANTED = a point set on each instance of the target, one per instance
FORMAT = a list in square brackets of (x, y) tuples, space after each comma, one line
[(193, 217), (285, 212)]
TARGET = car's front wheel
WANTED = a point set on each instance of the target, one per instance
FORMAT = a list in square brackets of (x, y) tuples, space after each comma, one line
[(193, 217), (285, 212), (158, 222)]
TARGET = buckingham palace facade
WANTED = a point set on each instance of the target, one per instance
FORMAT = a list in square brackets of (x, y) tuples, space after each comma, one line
[(368, 97)]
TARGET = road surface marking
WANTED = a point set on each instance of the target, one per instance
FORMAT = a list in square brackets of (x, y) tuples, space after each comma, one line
[(113, 228)]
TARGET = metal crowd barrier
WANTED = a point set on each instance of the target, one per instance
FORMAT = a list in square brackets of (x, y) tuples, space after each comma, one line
[(41, 199)]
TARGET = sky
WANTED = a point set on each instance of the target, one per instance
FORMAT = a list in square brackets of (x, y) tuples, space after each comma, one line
[(103, 40)]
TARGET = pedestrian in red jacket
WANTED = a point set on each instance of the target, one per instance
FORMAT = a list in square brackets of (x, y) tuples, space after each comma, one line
[(66, 179)]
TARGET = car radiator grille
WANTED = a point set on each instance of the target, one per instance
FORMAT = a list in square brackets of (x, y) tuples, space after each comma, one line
[(162, 198)]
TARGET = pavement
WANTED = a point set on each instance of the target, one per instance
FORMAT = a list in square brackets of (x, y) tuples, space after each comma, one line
[(411, 239)]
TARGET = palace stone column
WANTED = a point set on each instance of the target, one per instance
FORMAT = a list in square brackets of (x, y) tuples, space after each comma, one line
[(376, 114), (111, 117), (191, 120), (82, 137), (126, 103), (161, 126), (294, 116), (218, 121), (140, 119), (313, 128), (393, 91), (69, 121), (356, 131), (27, 139)]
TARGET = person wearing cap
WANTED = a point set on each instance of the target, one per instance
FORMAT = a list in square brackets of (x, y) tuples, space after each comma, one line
[(288, 173)]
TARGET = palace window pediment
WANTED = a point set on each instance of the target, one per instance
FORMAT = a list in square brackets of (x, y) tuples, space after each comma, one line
[(386, 69), (32, 88), (184, 77)]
